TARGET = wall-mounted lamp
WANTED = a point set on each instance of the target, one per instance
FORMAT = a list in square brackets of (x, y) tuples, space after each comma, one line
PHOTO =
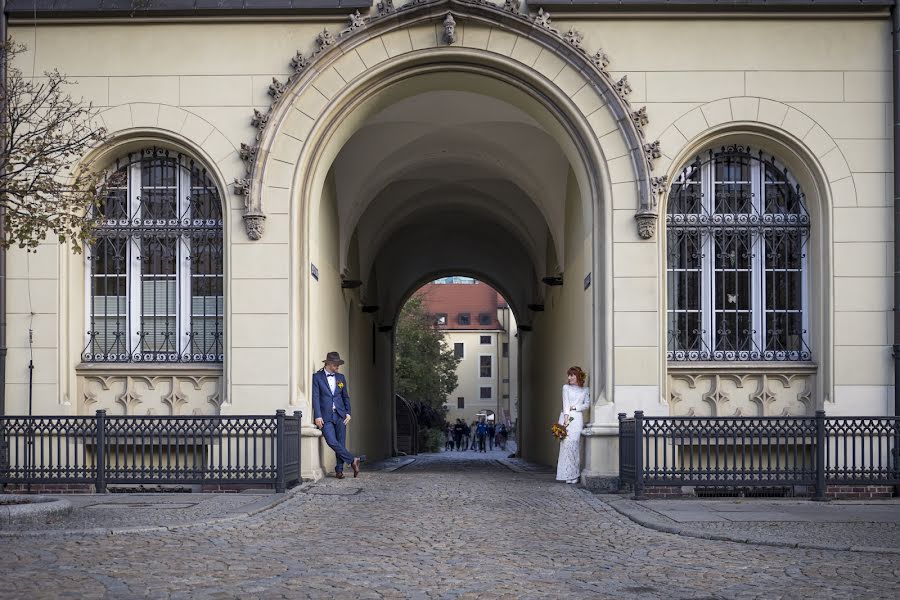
[(554, 280), (349, 284)]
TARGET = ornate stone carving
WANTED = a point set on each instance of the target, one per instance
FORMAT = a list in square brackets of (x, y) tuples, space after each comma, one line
[(259, 119), (513, 6), (299, 62), (646, 222), (248, 152), (162, 392), (658, 186), (449, 29), (575, 38), (385, 7), (255, 224), (542, 19), (324, 41), (623, 88), (707, 392), (277, 89), (357, 21), (242, 186), (639, 118), (652, 152), (601, 60)]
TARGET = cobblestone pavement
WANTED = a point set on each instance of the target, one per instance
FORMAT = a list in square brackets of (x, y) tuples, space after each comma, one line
[(443, 526), (872, 525), (115, 512)]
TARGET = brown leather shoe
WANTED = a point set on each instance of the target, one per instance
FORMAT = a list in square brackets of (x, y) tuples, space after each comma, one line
[(340, 475), (355, 466)]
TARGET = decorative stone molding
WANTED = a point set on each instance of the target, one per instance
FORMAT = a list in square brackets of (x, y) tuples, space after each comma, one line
[(652, 151), (507, 16), (753, 392), (449, 29), (122, 391)]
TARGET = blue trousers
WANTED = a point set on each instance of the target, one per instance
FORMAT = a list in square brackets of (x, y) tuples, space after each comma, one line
[(335, 433)]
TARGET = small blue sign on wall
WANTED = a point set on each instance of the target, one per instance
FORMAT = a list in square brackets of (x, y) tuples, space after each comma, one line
[(315, 271), (587, 281)]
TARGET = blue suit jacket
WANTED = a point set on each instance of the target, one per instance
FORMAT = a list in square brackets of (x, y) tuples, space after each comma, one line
[(322, 398)]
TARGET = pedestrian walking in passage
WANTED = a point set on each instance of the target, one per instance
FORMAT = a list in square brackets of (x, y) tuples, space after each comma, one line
[(331, 410), (575, 400), (480, 435), (491, 432)]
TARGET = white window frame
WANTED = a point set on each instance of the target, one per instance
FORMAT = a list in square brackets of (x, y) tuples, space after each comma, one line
[(478, 366)]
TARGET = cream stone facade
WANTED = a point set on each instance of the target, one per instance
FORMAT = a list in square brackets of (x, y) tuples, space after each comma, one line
[(491, 139)]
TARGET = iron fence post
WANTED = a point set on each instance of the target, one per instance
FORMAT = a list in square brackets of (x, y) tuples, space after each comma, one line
[(621, 450), (100, 453), (820, 455), (299, 415), (638, 455), (279, 451)]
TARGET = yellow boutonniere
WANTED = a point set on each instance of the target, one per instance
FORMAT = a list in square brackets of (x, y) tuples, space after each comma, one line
[(341, 384)]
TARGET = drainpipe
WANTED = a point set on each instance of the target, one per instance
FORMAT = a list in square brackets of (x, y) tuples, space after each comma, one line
[(895, 42)]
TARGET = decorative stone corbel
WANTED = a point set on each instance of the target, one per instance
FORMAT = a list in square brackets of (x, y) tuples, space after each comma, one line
[(575, 38), (449, 29), (248, 152), (299, 62), (646, 222), (357, 21), (259, 119), (324, 41), (255, 223), (242, 187), (658, 187)]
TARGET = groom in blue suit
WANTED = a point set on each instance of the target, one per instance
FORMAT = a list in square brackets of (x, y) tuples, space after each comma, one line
[(331, 410)]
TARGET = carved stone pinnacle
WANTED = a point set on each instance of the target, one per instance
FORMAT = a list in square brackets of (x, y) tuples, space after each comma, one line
[(601, 60), (242, 187), (385, 7), (248, 152), (356, 21), (324, 40), (658, 185), (277, 89), (652, 152), (639, 117), (299, 62), (512, 6), (623, 88), (542, 19)]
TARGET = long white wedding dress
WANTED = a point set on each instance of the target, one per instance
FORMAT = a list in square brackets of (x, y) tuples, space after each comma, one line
[(575, 400)]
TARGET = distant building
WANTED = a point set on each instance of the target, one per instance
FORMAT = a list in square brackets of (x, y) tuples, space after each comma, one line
[(481, 329)]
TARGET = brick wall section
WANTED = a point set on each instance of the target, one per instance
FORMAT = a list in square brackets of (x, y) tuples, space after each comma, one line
[(859, 492), (661, 492)]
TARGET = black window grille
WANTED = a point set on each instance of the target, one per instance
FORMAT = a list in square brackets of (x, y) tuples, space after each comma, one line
[(460, 402), (485, 366), (459, 350), (737, 229), (485, 339), (156, 284), (485, 393)]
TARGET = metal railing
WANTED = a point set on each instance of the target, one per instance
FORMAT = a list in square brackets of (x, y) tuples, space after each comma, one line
[(104, 449), (758, 451)]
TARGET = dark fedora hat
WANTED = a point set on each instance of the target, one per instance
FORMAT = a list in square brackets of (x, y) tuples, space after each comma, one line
[(333, 357)]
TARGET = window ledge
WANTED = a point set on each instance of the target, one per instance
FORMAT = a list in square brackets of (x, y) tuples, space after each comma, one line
[(715, 367), (148, 367)]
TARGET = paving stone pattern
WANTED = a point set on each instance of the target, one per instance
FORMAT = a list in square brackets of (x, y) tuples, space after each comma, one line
[(444, 526)]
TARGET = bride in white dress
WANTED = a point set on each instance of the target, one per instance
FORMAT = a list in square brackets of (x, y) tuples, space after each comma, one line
[(575, 400)]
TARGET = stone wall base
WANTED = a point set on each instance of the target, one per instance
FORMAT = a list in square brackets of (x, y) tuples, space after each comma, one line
[(49, 488), (600, 484), (859, 492)]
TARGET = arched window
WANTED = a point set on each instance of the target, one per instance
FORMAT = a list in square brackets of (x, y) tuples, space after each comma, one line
[(736, 233), (156, 289)]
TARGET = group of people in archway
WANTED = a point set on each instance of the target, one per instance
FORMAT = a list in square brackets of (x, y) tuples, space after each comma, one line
[(480, 436)]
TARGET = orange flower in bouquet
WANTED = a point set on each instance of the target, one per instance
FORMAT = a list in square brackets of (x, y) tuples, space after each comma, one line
[(559, 431)]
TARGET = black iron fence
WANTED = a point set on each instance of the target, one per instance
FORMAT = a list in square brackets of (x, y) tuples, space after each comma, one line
[(106, 449), (758, 451)]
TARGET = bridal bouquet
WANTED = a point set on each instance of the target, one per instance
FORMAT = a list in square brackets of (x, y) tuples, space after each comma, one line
[(560, 431)]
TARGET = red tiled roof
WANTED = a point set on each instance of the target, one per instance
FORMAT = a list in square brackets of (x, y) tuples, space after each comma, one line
[(452, 299)]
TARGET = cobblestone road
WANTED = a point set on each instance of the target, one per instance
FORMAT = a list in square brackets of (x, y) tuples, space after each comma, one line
[(443, 526)]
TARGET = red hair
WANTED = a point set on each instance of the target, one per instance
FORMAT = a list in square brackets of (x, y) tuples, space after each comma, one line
[(580, 375)]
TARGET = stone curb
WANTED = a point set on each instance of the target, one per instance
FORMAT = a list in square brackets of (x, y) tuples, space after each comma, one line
[(640, 516), (36, 507), (238, 514)]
